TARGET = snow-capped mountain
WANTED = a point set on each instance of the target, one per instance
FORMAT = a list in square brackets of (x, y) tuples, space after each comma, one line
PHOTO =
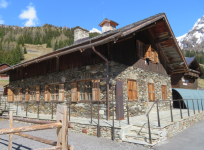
[(95, 30), (194, 39)]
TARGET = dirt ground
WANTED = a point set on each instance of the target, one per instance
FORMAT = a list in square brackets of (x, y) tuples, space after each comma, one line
[(78, 140)]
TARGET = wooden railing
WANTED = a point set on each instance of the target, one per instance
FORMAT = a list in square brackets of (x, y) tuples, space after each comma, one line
[(61, 125)]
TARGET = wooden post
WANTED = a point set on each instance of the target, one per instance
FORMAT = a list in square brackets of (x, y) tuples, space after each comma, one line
[(62, 133), (11, 126)]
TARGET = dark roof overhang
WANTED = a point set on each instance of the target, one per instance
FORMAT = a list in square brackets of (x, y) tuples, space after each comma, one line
[(157, 25)]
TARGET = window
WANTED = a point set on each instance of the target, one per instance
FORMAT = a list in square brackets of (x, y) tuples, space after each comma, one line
[(33, 93), (85, 90), (164, 92), (17, 94), (132, 90), (54, 92), (151, 92), (143, 50)]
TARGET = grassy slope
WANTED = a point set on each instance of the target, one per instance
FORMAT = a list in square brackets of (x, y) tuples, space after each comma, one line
[(3, 82), (39, 50), (201, 81)]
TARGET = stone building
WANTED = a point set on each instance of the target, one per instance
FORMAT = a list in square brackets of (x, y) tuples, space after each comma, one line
[(131, 64)]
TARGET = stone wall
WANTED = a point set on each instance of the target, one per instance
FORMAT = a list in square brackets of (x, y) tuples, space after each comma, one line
[(80, 34), (116, 72)]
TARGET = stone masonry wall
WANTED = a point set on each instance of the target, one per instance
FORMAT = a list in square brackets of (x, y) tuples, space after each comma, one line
[(117, 71)]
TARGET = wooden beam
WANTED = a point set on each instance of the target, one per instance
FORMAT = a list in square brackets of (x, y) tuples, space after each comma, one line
[(29, 120), (51, 148), (162, 39), (30, 128), (50, 142)]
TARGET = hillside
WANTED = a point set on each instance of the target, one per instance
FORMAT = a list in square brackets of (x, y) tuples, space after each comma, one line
[(36, 40)]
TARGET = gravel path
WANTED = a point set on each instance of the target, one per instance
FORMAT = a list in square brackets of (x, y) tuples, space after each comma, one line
[(78, 140)]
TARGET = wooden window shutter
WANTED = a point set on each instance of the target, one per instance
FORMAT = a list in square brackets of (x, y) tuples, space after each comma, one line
[(74, 91), (61, 92), (47, 93), (95, 89), (149, 92), (27, 94), (165, 93), (129, 89), (148, 52), (153, 92), (10, 95), (134, 90), (20, 94), (38, 93)]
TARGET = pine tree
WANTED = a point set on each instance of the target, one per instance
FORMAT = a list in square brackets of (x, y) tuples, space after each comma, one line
[(25, 51)]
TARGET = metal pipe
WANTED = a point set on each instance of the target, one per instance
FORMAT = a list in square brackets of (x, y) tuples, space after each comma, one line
[(38, 110), (158, 119), (128, 119), (202, 104), (52, 110), (26, 109), (171, 113), (113, 129), (150, 138), (198, 106), (91, 111), (180, 109), (69, 110), (17, 109), (188, 108), (193, 107), (107, 80), (98, 127)]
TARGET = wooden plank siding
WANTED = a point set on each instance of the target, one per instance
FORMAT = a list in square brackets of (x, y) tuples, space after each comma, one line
[(176, 82), (123, 52)]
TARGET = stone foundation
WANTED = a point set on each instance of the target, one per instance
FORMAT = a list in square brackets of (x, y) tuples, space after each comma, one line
[(117, 71)]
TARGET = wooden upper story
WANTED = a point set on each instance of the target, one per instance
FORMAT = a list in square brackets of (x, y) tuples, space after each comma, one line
[(148, 44), (187, 79)]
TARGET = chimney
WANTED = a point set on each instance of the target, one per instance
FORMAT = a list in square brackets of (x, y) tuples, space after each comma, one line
[(108, 25), (80, 34)]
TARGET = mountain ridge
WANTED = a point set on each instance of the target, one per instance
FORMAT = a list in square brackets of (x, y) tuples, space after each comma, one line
[(193, 39)]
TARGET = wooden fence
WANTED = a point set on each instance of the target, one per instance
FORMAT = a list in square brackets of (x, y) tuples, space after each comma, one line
[(61, 125)]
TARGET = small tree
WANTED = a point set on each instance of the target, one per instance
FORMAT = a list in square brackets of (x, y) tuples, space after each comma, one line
[(25, 51)]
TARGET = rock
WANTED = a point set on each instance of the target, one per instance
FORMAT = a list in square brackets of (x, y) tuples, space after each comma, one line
[(84, 131)]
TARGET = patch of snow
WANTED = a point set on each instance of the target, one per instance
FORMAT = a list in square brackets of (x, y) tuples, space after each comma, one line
[(194, 32), (95, 30)]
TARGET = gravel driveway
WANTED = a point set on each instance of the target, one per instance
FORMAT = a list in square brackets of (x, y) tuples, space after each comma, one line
[(78, 140)]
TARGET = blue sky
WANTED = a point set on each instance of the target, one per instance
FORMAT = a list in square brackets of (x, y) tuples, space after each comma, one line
[(182, 14)]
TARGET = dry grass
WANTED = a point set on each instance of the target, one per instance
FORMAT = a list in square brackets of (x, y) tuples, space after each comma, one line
[(38, 51), (39, 48), (3, 82), (30, 55), (201, 83)]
